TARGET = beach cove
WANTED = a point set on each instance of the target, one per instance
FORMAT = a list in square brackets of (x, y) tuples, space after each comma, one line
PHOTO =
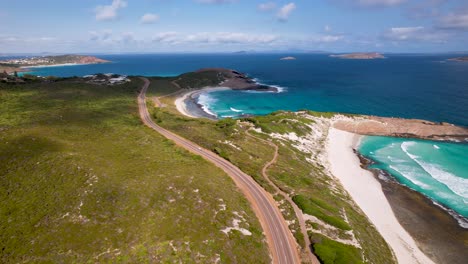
[(405, 218)]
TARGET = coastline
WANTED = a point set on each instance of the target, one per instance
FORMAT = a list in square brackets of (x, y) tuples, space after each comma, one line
[(56, 65), (188, 106), (367, 192), (436, 231)]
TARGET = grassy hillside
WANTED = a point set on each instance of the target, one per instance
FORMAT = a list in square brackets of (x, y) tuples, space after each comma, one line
[(82, 180), (309, 184)]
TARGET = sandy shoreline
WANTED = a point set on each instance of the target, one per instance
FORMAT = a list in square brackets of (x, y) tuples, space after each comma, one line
[(187, 104), (367, 192)]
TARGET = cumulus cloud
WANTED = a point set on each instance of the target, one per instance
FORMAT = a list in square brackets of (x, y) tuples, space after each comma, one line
[(268, 6), (285, 11), (109, 12), (149, 18)]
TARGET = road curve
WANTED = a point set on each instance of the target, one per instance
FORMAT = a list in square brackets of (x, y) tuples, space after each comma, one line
[(280, 240)]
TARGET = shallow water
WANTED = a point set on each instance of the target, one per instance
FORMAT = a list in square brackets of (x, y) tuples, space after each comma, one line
[(438, 170)]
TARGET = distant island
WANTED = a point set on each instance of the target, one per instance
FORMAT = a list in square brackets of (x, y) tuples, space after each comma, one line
[(463, 59), (288, 58), (359, 56), (12, 65)]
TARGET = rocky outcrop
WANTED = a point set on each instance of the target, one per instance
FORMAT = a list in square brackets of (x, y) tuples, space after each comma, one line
[(238, 81), (399, 127), (463, 59)]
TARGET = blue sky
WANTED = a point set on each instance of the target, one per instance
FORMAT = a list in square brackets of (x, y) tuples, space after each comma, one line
[(113, 26)]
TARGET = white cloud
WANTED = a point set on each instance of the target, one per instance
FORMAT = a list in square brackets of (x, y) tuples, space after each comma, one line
[(149, 18), (213, 38), (231, 38), (167, 37), (415, 34), (371, 3), (454, 21), (285, 11), (103, 35), (327, 28), (403, 33), (326, 38), (109, 12), (268, 6), (380, 2), (216, 1)]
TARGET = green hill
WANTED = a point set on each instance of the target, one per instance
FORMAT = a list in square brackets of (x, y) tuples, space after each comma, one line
[(83, 180)]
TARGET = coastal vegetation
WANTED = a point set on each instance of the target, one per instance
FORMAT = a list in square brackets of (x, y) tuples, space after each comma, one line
[(83, 180), (336, 226)]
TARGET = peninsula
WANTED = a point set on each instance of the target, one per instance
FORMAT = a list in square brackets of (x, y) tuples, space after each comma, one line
[(462, 59), (359, 56), (220, 77), (19, 64)]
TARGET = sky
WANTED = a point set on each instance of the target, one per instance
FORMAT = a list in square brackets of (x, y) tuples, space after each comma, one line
[(122, 26)]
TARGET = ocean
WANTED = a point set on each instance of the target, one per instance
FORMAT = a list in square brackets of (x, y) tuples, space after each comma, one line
[(410, 86), (439, 170)]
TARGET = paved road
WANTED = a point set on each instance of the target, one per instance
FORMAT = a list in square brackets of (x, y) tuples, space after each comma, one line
[(280, 240)]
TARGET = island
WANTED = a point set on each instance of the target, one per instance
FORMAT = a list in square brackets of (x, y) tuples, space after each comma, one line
[(19, 64), (359, 56), (288, 58), (462, 59)]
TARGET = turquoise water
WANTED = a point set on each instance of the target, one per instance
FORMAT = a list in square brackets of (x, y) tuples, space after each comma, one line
[(400, 86), (411, 86), (438, 170)]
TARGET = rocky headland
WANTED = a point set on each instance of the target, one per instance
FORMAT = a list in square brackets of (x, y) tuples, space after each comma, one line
[(462, 59), (235, 80), (399, 127)]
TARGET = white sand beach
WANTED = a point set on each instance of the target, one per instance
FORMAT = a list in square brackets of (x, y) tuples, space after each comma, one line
[(366, 191), (180, 102)]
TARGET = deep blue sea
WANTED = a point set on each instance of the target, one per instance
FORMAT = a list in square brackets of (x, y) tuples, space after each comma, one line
[(417, 86), (411, 86)]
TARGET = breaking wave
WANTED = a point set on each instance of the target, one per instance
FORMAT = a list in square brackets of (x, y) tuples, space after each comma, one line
[(456, 184)]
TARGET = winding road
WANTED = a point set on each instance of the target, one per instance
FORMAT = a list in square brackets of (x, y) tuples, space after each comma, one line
[(282, 245)]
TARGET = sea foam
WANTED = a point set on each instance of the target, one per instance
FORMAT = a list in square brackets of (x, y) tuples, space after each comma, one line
[(206, 101), (456, 184)]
